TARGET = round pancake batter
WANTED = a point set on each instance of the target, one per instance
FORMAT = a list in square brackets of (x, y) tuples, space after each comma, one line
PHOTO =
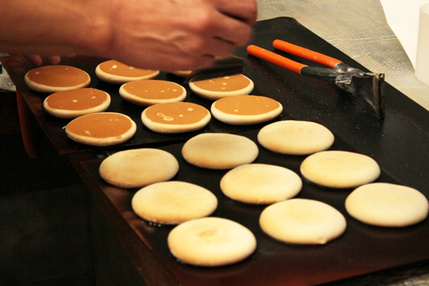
[(173, 202), (246, 109), (175, 117), (211, 241), (216, 88), (260, 184), (101, 129), (387, 205), (76, 102), (294, 137), (149, 92), (340, 169), (219, 150), (50, 79), (113, 71), (302, 221), (137, 168)]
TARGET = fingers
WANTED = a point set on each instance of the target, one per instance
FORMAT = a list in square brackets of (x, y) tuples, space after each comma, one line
[(54, 60), (233, 24), (34, 59), (243, 10), (37, 60)]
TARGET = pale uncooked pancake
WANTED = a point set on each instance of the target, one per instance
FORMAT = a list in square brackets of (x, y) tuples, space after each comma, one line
[(387, 205), (50, 79), (149, 92), (76, 102), (101, 129), (211, 241), (173, 202), (219, 150), (246, 109), (216, 88), (260, 184), (340, 169), (113, 71), (295, 137), (175, 117), (137, 168), (302, 221)]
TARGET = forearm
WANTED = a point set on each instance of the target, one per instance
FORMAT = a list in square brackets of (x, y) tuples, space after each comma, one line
[(53, 26), (153, 34)]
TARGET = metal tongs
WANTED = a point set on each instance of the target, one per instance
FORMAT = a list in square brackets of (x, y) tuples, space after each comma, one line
[(366, 85)]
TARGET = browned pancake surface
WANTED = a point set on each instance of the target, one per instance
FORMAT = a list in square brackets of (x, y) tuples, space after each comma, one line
[(117, 68), (180, 113), (58, 76), (224, 84), (154, 89), (77, 99), (100, 125), (246, 105)]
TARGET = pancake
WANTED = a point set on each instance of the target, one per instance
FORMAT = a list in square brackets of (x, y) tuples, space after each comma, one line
[(137, 168), (219, 150), (50, 79), (340, 169), (173, 202), (113, 71), (216, 88), (302, 221), (175, 117), (246, 109), (182, 73), (387, 205), (101, 129), (149, 92), (76, 102), (260, 184), (211, 242), (294, 137)]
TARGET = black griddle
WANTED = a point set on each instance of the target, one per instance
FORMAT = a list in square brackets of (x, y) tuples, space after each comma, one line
[(360, 250)]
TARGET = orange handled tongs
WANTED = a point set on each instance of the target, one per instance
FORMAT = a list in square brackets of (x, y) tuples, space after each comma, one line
[(367, 85)]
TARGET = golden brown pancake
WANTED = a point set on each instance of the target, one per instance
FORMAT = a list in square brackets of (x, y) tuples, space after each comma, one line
[(182, 73), (49, 79), (76, 102), (113, 71), (216, 88), (101, 129), (175, 117), (245, 109), (149, 92)]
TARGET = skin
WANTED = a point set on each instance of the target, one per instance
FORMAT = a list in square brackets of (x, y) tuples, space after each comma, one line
[(167, 35)]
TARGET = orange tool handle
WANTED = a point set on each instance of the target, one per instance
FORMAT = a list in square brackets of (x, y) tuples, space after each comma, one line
[(305, 53), (275, 59)]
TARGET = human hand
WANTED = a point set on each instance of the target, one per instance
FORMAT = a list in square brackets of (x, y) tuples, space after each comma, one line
[(174, 35), (37, 60)]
